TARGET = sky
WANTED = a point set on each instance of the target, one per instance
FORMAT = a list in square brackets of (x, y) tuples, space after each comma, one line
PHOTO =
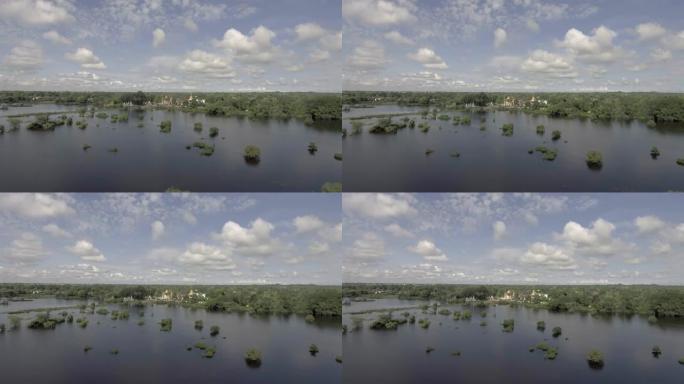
[(513, 45), (170, 45), (610, 238), (171, 238)]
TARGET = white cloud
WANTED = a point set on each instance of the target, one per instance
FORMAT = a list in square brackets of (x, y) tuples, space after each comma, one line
[(206, 256), (647, 224), (26, 56), (597, 47), (309, 31), (256, 48), (307, 223), (35, 205), (499, 228), (674, 41), (56, 38), (659, 54), (206, 64), (318, 247), (368, 55), (500, 37), (650, 31), (190, 25), (547, 63), (318, 55), (253, 240), (86, 58), (86, 251), (397, 230), (429, 251), (55, 230), (158, 37), (397, 38), (597, 239), (378, 205), (532, 25), (35, 12), (27, 249), (549, 256), (158, 229), (370, 247), (428, 58), (378, 12)]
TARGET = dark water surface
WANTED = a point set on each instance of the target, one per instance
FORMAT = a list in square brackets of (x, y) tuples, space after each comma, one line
[(489, 355), (147, 355), (148, 160), (490, 161)]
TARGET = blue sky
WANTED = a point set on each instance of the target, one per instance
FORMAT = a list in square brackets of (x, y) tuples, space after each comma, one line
[(178, 45), (170, 238), (513, 45), (514, 238)]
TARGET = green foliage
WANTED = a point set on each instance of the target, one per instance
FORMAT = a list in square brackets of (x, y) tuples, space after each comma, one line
[(102, 311), (331, 187), (15, 322), (594, 159), (101, 115), (424, 323), (466, 315), (556, 331), (165, 126), (680, 161), (338, 359), (540, 130), (595, 359), (213, 132), (508, 325), (444, 312), (555, 135), (252, 154), (165, 325), (197, 127), (507, 129), (313, 349), (428, 152), (214, 330), (312, 148), (541, 325), (43, 321), (200, 345), (253, 357)]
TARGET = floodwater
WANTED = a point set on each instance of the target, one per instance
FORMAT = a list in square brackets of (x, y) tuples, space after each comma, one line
[(489, 355), (490, 161), (148, 355), (151, 161)]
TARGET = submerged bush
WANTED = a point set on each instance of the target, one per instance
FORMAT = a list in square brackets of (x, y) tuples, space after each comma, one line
[(102, 311), (555, 135), (595, 359), (508, 325), (429, 349), (541, 325), (455, 154), (199, 324), (331, 187), (385, 322), (338, 359), (43, 321), (101, 115), (540, 130), (655, 152), (507, 129), (680, 161), (214, 330), (424, 323), (312, 148), (429, 151), (337, 156), (252, 154), (253, 357), (444, 312), (313, 349), (466, 315), (166, 325), (197, 127), (165, 126), (594, 159), (209, 352), (557, 331), (87, 348), (656, 351), (213, 132)]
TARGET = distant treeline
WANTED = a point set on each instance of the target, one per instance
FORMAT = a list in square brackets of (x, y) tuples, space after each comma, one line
[(305, 106), (319, 301), (651, 108), (660, 301)]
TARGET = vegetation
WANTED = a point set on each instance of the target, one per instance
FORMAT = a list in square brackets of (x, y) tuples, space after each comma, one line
[(548, 154), (312, 148), (655, 152), (313, 349), (337, 156), (331, 187), (680, 161), (555, 135), (252, 154), (214, 330), (656, 351), (213, 132), (508, 325), (541, 325), (165, 126), (424, 323), (429, 349), (253, 357), (594, 159), (507, 129), (197, 127), (165, 325), (556, 331), (595, 359), (199, 324), (540, 130), (205, 149), (338, 359)]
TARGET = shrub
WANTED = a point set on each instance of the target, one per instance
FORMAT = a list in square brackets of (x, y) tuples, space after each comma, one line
[(165, 126), (357, 127), (87, 348), (555, 135), (253, 357), (214, 330), (507, 129), (541, 325), (101, 115), (595, 359), (15, 322), (466, 315), (445, 117), (424, 323), (166, 325), (197, 127), (551, 353), (209, 352), (141, 322), (81, 124), (15, 124), (540, 130), (655, 152), (444, 312), (656, 351), (313, 349), (114, 150), (252, 154), (508, 325), (557, 331), (331, 187), (652, 319), (681, 361), (594, 159), (213, 132), (465, 120), (199, 324), (456, 353), (102, 311), (200, 345), (424, 127), (312, 148)]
